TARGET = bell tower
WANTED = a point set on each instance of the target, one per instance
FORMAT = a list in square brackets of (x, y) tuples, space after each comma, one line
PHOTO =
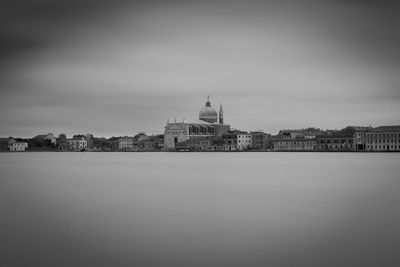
[(221, 115)]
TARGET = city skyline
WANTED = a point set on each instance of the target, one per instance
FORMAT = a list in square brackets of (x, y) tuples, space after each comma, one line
[(117, 68)]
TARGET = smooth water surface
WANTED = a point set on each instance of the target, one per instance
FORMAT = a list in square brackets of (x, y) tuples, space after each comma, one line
[(200, 209)]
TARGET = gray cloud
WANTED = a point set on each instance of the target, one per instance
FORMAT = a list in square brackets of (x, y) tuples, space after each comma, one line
[(120, 66)]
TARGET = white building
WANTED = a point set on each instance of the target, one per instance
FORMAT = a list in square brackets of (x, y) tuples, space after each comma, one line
[(125, 144), (77, 144), (244, 141), (14, 145), (383, 138)]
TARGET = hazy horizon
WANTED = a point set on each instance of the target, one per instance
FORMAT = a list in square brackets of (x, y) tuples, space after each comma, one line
[(116, 68)]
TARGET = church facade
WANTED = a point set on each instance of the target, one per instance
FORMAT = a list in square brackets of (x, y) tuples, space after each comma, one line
[(210, 124)]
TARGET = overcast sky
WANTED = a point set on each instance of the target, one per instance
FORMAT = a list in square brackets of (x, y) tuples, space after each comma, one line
[(120, 67)]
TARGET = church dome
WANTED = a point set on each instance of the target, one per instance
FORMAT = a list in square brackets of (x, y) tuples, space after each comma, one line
[(207, 113)]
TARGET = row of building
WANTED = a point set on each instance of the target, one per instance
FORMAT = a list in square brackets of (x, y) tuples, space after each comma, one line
[(47, 142), (232, 140), (139, 142), (11, 144), (383, 138), (210, 133)]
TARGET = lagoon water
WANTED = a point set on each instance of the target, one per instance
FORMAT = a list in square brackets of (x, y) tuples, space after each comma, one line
[(200, 209)]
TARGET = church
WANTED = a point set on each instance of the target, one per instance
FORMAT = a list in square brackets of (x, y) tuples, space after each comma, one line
[(210, 124)]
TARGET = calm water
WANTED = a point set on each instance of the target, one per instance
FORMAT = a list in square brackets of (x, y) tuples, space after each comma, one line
[(199, 209)]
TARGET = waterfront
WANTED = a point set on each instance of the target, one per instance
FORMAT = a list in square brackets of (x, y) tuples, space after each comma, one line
[(200, 209)]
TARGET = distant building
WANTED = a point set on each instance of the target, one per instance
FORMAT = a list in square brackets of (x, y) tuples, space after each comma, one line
[(298, 144), (14, 145), (79, 144), (213, 143), (195, 144), (268, 141), (206, 126), (350, 138), (4, 144), (301, 133), (148, 145), (101, 144), (258, 140), (159, 139), (90, 141), (383, 138), (334, 143), (125, 144), (244, 141), (230, 141), (141, 137), (63, 146), (50, 137)]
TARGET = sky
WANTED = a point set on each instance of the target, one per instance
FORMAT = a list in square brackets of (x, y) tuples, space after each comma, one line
[(115, 68)]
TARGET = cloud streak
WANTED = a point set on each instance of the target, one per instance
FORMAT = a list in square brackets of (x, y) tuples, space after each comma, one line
[(131, 66)]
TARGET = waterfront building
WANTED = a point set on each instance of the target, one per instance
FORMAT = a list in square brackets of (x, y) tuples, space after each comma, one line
[(351, 138), (268, 141), (334, 143), (195, 144), (206, 126), (230, 141), (383, 138), (342, 140), (147, 145), (90, 141), (307, 133), (359, 137), (202, 144), (298, 144), (125, 143), (3, 144), (101, 144), (63, 146), (295, 140), (244, 140), (141, 137), (77, 144), (14, 145), (159, 140), (46, 137), (258, 140)]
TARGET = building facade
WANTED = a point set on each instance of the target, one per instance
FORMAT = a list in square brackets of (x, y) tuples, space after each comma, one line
[(258, 140), (125, 144), (298, 144), (4, 144), (334, 143), (14, 145), (47, 137), (244, 141), (383, 138), (77, 144)]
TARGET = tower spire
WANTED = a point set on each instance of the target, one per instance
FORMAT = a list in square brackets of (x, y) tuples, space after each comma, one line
[(221, 114)]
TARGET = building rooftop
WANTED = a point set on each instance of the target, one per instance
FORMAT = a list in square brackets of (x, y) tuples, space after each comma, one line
[(392, 128)]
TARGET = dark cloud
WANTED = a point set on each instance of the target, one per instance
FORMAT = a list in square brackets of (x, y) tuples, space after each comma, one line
[(30, 25), (162, 58)]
